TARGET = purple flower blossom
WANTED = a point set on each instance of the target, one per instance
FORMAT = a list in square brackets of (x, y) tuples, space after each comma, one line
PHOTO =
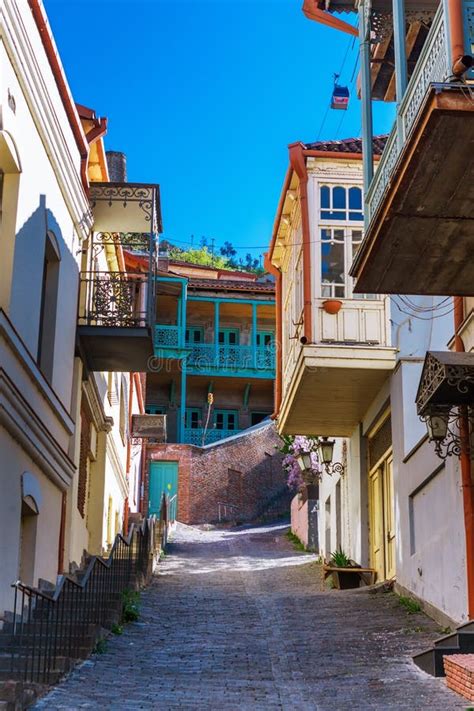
[(298, 445)]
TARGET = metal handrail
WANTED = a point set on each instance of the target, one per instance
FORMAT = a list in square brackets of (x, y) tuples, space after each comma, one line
[(51, 631), (113, 298)]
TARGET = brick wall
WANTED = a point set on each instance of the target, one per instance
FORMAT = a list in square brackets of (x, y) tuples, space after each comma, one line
[(244, 472)]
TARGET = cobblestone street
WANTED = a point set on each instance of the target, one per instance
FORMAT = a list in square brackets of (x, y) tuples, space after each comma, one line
[(240, 620)]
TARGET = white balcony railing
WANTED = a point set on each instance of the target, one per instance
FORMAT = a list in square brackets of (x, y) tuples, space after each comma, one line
[(432, 66), (359, 322)]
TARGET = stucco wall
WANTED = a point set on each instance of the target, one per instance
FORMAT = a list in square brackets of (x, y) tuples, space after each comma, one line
[(15, 463), (428, 508), (299, 518)]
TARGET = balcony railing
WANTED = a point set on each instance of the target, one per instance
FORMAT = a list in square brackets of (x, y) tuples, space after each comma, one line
[(432, 67), (168, 336), (114, 299), (197, 437), (205, 356)]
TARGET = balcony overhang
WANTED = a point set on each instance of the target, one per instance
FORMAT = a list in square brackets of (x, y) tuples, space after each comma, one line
[(332, 387), (421, 238), (120, 349), (447, 380), (126, 207)]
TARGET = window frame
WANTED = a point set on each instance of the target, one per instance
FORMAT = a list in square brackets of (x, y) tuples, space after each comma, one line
[(225, 413)]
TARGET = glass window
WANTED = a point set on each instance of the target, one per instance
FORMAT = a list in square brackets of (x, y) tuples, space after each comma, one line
[(229, 336), (193, 418), (333, 270), (225, 419), (194, 334), (340, 203)]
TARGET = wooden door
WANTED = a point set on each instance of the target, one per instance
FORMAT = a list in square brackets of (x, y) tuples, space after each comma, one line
[(389, 518), (163, 480), (377, 552)]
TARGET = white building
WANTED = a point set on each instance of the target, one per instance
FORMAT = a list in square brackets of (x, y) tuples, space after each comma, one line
[(350, 370)]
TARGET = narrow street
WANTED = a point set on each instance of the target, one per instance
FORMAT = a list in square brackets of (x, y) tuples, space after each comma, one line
[(240, 620)]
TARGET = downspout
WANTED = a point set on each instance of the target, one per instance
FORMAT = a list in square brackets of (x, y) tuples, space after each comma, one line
[(459, 61), (466, 474), (279, 333), (42, 24), (62, 533), (298, 163)]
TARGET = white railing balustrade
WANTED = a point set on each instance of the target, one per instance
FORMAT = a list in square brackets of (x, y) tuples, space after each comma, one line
[(432, 66)]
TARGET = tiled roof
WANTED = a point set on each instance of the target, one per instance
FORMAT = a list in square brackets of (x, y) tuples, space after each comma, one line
[(348, 145), (231, 285)]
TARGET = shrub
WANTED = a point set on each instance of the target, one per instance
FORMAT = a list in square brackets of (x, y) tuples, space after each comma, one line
[(130, 606)]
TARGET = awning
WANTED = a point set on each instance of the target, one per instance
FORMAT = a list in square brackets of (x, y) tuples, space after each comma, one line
[(447, 380)]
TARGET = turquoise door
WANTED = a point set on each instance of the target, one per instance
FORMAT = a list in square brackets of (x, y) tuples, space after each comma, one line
[(163, 480)]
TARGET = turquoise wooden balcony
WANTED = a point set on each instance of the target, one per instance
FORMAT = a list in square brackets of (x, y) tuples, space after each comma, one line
[(195, 435), (169, 341), (240, 361)]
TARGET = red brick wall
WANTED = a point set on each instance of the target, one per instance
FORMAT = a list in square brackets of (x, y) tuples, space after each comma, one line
[(244, 472)]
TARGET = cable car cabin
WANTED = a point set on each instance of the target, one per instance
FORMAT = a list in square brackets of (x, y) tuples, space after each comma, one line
[(340, 97)]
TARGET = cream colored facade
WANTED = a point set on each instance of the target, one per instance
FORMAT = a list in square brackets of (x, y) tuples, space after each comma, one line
[(397, 508), (45, 223)]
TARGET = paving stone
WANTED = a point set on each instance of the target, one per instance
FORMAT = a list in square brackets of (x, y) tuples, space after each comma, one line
[(237, 619)]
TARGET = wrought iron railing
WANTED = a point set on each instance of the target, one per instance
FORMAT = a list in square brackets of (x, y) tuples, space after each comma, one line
[(200, 437), (47, 633), (203, 356), (431, 67), (118, 299)]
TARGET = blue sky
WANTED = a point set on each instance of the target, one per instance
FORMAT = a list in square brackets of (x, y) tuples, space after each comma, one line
[(204, 96)]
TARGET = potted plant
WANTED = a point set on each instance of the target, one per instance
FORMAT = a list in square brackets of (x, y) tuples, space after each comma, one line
[(332, 306), (343, 572)]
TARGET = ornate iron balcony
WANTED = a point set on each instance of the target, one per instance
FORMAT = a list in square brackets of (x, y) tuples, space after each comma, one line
[(114, 299)]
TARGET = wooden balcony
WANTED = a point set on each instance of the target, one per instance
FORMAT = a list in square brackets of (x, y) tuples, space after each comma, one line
[(115, 321), (329, 384), (200, 437), (420, 205)]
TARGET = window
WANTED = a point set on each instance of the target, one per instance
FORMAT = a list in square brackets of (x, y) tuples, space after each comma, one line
[(265, 338), (194, 334), (338, 202), (339, 246), (226, 419), (193, 418), (229, 337), (155, 410), (49, 302)]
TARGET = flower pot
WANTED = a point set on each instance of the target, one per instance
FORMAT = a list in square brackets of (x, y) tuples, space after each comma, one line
[(332, 306)]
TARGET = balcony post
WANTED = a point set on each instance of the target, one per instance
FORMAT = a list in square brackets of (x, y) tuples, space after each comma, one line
[(216, 333), (184, 297), (182, 419), (366, 96), (254, 334), (401, 77)]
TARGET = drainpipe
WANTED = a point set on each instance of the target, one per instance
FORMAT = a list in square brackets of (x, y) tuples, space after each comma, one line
[(62, 533), (466, 473), (37, 10), (459, 61), (298, 164), (366, 97), (279, 328)]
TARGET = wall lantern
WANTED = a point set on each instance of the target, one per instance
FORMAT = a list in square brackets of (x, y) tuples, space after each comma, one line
[(304, 461), (325, 452), (449, 429)]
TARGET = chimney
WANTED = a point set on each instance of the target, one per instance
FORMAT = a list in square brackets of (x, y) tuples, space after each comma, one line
[(117, 165)]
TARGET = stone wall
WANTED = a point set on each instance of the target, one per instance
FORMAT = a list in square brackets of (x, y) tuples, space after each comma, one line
[(237, 479)]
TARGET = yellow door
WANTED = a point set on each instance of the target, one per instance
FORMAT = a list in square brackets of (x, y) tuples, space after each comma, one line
[(388, 516), (377, 553)]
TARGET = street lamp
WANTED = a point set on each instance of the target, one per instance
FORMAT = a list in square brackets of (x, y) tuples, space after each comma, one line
[(325, 452)]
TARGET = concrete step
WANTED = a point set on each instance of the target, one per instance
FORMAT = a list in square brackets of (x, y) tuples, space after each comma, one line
[(431, 660)]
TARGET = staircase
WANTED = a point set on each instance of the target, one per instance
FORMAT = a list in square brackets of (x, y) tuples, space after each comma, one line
[(459, 642)]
